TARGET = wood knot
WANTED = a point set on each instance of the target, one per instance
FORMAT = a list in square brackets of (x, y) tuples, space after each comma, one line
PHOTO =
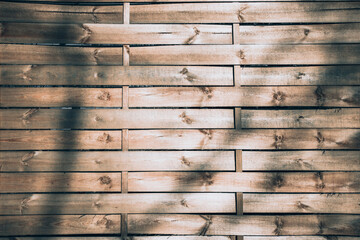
[(185, 118), (206, 132), (127, 49), (319, 179), (240, 14), (279, 97), (306, 32), (184, 71), (106, 138), (298, 119), (27, 157), (28, 114), (97, 119), (105, 96), (207, 178), (208, 222), (105, 180), (87, 34), (320, 96), (300, 75), (277, 181), (24, 204), (25, 74), (184, 203), (302, 206), (185, 161), (320, 138), (104, 221), (279, 224), (279, 141), (94, 17), (192, 39), (99, 75), (207, 91), (97, 204), (242, 54), (188, 76)]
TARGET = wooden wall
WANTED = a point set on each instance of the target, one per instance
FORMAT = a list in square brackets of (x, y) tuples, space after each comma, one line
[(205, 120)]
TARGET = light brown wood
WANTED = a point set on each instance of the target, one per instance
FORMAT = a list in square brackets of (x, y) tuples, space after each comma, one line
[(116, 75), (25, 204), (115, 118), (59, 225), (59, 182), (48, 139), (124, 183), (327, 96), (64, 161), (297, 238), (301, 161), (244, 225), (330, 118), (60, 97), (302, 203), (301, 182), (245, 13), (245, 139)]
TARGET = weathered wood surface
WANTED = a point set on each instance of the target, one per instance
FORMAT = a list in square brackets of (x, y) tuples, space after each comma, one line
[(116, 118), (174, 237), (59, 225), (60, 182), (301, 203), (120, 33), (327, 96), (330, 118), (301, 161), (59, 139), (245, 139), (124, 75), (245, 13), (44, 161), (24, 204), (59, 97), (244, 224), (302, 182)]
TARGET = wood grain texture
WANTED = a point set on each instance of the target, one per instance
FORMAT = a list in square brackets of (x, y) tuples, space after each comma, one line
[(301, 161), (301, 182), (302, 203), (48, 139), (116, 118), (327, 96), (60, 97), (330, 118), (246, 54), (116, 33), (59, 182), (245, 139), (59, 225), (244, 224), (245, 13), (116, 75), (25, 204), (44, 161)]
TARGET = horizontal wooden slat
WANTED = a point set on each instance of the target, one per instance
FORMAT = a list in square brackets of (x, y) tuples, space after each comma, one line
[(244, 224), (117, 161), (245, 54), (23, 204), (327, 182), (26, 12), (60, 225), (245, 139), (314, 75), (36, 54), (329, 96), (245, 13), (301, 203), (60, 182), (60, 97), (116, 75), (301, 161), (116, 118), (331, 118), (48, 139), (116, 33)]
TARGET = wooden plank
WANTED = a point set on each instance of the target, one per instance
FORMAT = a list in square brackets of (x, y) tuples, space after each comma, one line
[(324, 182), (50, 13), (302, 203), (25, 204), (59, 225), (60, 97), (118, 75), (314, 75), (56, 139), (43, 161), (329, 118), (60, 182), (36, 54), (308, 12), (244, 224), (329, 96), (300, 34), (245, 54), (88, 33), (301, 161), (116, 118), (245, 139)]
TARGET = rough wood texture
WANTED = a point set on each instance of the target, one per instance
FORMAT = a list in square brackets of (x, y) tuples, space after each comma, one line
[(116, 118), (44, 161), (324, 182), (59, 182)]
